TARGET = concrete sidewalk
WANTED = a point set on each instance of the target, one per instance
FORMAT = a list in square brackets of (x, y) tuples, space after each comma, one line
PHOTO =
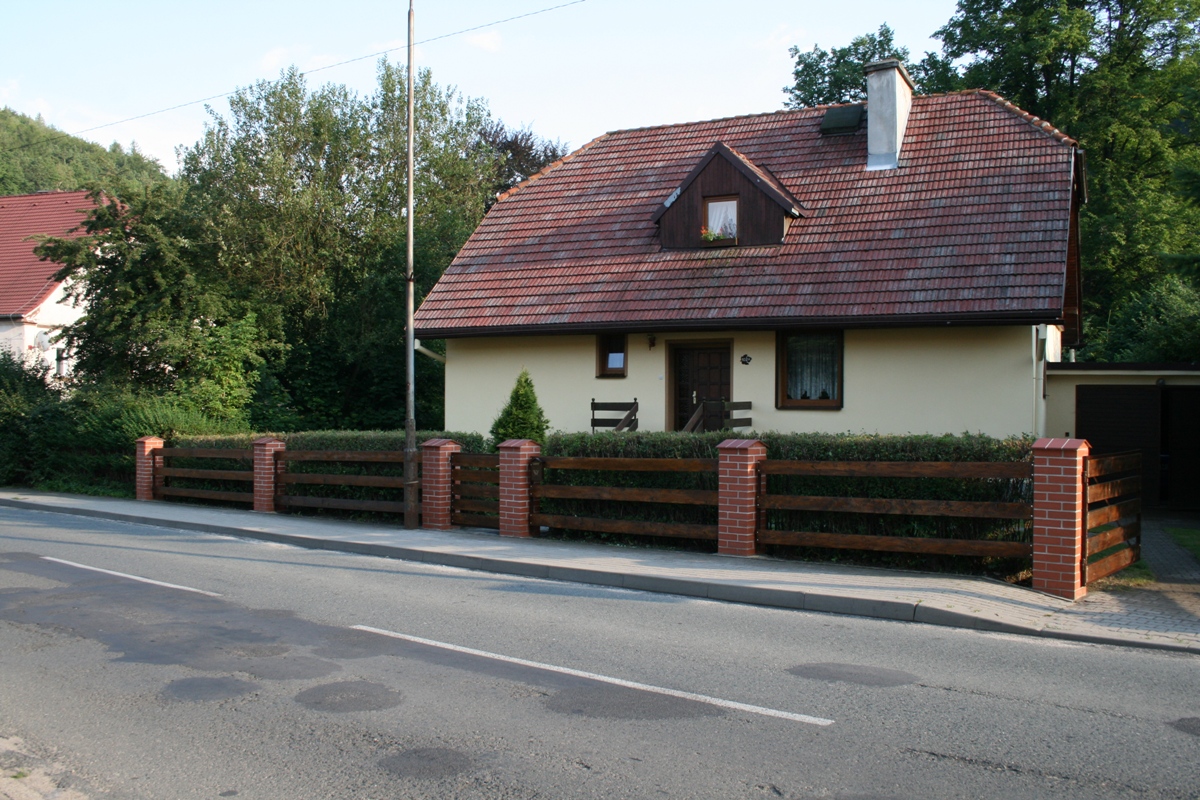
[(1166, 618)]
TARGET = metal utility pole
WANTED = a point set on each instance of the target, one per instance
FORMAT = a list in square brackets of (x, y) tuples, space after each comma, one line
[(410, 396)]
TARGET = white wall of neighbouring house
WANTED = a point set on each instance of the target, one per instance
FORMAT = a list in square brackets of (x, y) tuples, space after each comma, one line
[(907, 380), (20, 337)]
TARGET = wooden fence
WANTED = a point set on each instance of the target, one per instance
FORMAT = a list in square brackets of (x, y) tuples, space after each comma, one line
[(541, 490), (1112, 486), (285, 480), (1011, 471), (163, 489), (475, 499)]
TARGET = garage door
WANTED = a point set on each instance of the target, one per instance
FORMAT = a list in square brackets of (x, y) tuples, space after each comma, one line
[(1119, 418)]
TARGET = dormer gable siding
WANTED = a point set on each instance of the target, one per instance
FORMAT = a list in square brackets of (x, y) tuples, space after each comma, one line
[(760, 219)]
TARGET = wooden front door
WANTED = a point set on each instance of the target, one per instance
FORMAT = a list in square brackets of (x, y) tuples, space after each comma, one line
[(701, 372)]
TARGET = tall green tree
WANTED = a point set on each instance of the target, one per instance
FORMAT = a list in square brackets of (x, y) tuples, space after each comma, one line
[(155, 319), (836, 76)]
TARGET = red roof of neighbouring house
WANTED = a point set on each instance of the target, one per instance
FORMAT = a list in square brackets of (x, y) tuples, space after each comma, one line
[(26, 282), (973, 227)]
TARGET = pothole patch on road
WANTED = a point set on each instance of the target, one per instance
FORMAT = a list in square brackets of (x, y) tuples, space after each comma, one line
[(1187, 725), (284, 668), (345, 696), (201, 689), (853, 673), (427, 763), (616, 702)]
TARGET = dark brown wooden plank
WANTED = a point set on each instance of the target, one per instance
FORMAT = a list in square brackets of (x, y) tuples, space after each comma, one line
[(475, 476), (898, 544), (739, 405), (739, 423), (475, 521), (622, 407), (1017, 470), (380, 481), (203, 452), (628, 526), (373, 456), (477, 490), (1099, 542), (1110, 564), (925, 508), (701, 497), (1099, 466), (1113, 513), (299, 501), (481, 460), (607, 423), (468, 504), (1118, 488), (206, 474), (632, 464), (204, 494)]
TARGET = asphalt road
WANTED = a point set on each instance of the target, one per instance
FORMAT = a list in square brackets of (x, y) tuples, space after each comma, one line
[(264, 671)]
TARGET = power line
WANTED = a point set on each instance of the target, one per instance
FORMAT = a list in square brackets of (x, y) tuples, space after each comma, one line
[(307, 72)]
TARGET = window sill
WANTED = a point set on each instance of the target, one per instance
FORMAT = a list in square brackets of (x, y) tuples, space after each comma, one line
[(719, 243), (810, 405)]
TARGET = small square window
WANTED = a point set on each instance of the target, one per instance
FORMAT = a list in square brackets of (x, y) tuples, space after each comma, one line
[(610, 356), (720, 219), (809, 370)]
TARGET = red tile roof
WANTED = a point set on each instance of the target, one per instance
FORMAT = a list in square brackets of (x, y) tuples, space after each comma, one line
[(972, 227), (25, 282)]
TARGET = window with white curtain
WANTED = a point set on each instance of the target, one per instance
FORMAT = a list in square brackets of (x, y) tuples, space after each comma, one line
[(809, 370), (721, 217)]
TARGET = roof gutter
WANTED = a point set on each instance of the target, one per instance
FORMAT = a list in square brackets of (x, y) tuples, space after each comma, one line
[(774, 323), (12, 317)]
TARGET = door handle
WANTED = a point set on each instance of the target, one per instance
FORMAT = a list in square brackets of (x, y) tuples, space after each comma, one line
[(693, 398)]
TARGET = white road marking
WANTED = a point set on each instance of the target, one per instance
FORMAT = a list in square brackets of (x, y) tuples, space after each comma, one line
[(645, 687), (131, 577)]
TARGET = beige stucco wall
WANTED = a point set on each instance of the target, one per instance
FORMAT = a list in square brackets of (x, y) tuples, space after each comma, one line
[(1060, 388), (918, 380)]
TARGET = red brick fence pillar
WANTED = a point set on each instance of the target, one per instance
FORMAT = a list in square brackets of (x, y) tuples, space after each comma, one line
[(144, 463), (1059, 516), (265, 472), (737, 493), (516, 504), (437, 487)]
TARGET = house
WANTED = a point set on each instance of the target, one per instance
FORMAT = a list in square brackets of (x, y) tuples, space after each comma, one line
[(909, 264), (31, 301)]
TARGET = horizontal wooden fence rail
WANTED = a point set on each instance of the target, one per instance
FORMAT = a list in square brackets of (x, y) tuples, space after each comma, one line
[(1112, 487), (610, 494), (283, 479), (971, 509), (162, 489), (475, 501)]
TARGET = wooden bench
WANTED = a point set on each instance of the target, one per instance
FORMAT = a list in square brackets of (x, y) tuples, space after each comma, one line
[(718, 409), (628, 422)]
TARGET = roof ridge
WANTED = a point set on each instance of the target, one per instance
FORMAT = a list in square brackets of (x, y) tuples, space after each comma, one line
[(1017, 111), (541, 172)]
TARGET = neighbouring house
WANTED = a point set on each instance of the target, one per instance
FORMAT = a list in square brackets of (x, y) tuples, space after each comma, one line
[(907, 264), (31, 301)]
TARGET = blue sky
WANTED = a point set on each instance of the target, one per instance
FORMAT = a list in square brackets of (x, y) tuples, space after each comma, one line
[(571, 73)]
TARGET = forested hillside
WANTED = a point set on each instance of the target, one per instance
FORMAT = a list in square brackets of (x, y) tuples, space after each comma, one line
[(35, 157)]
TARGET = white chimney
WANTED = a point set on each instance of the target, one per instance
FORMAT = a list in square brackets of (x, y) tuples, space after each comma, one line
[(889, 98)]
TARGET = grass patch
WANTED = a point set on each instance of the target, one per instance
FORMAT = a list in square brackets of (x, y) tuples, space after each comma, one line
[(1137, 575), (1188, 539)]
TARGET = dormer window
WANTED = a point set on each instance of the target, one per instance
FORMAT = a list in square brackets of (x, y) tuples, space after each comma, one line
[(726, 200), (721, 215)]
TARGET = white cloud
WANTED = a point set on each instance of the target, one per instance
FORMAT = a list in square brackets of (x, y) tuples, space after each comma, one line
[(275, 59), (8, 90), (489, 42)]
